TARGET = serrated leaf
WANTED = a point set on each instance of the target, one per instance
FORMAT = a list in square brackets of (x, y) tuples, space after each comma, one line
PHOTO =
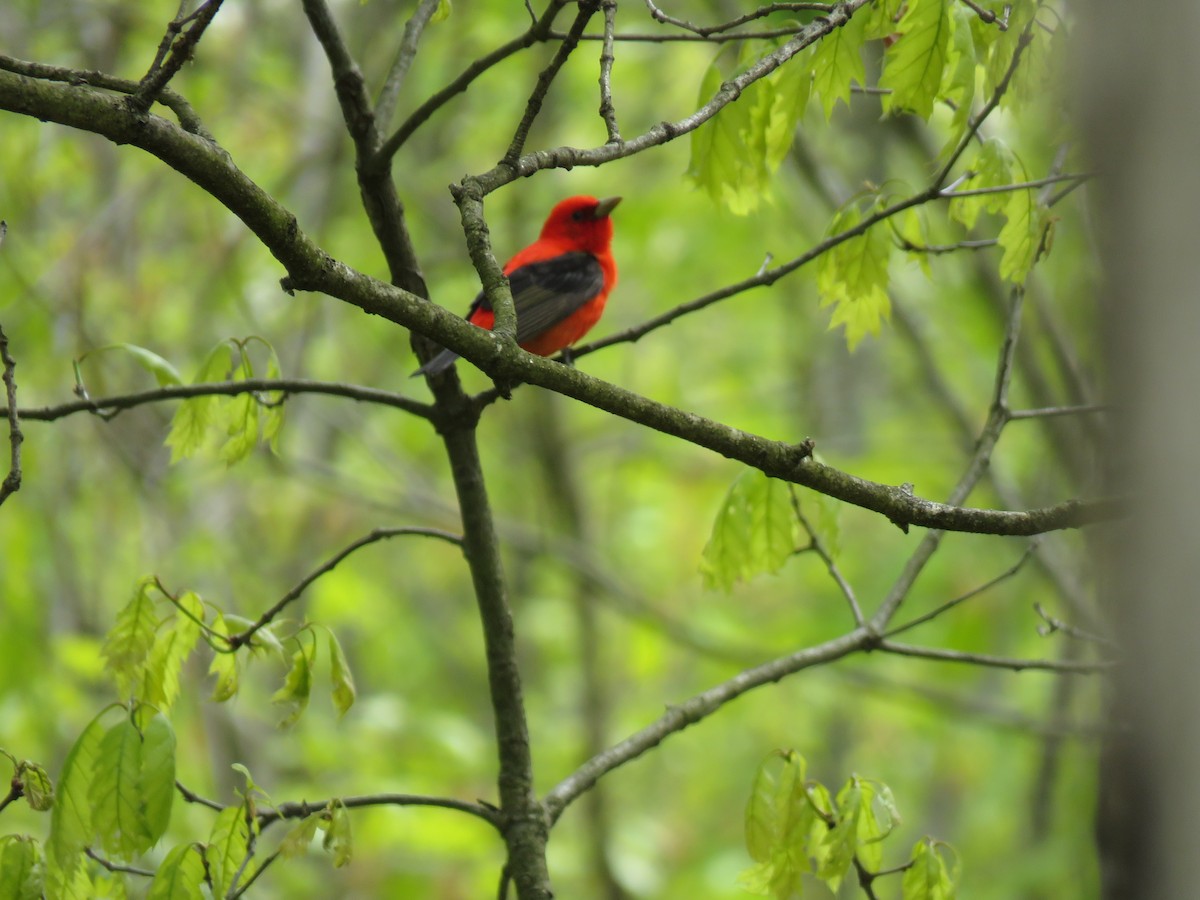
[(992, 166), (224, 665), (1021, 236), (117, 802), (841, 841), (344, 692), (853, 278), (881, 18), (172, 645), (21, 872), (130, 639), (72, 884), (179, 876), (838, 63), (958, 80), (338, 838), (228, 845), (157, 777), (297, 686), (189, 427), (914, 63), (754, 532), (71, 818), (300, 838), (36, 786), (242, 429), (928, 877)]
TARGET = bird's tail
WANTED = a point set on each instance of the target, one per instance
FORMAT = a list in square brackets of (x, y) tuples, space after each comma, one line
[(439, 363)]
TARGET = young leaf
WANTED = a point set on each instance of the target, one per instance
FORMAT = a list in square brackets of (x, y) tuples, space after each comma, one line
[(179, 876), (754, 532), (958, 80), (841, 842), (338, 839), (228, 846), (71, 818), (853, 278), (117, 801), (164, 373), (838, 62), (914, 63), (992, 165), (1021, 236), (160, 677), (339, 672), (192, 419), (272, 414), (300, 838), (156, 780), (224, 665), (36, 786), (720, 161), (927, 876), (297, 687), (130, 639), (242, 430), (20, 868)]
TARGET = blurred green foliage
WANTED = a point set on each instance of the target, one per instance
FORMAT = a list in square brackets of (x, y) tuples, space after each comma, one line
[(106, 246)]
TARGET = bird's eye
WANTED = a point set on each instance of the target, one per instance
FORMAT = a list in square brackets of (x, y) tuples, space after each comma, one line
[(579, 214)]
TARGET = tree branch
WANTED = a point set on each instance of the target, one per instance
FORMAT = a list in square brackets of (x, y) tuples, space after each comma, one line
[(304, 808), (994, 662), (244, 637), (12, 481), (110, 406), (385, 105), (180, 44)]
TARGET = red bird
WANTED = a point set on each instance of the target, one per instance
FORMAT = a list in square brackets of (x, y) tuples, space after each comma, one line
[(559, 283)]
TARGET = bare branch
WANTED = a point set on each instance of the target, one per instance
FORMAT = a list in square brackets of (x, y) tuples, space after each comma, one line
[(1054, 624), (192, 797), (12, 481), (175, 49), (706, 31), (587, 9), (962, 598), (819, 548), (995, 662), (117, 867), (607, 112), (110, 406), (538, 31), (385, 105), (304, 808), (1046, 412), (379, 534)]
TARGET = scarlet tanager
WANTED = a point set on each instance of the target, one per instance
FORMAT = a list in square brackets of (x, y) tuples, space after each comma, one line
[(559, 283)]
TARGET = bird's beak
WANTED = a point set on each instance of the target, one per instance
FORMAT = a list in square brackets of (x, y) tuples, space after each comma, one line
[(605, 206)]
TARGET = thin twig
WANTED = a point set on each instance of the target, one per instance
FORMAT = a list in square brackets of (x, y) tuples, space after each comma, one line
[(587, 9), (1016, 664), (987, 15), (607, 112), (110, 406), (1046, 412), (379, 534), (536, 32), (304, 808), (1017, 186), (818, 547), (705, 31), (192, 797), (12, 481), (1054, 624), (385, 105), (182, 44), (117, 867), (234, 894), (962, 598)]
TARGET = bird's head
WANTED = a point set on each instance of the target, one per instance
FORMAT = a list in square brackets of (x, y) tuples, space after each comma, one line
[(584, 221)]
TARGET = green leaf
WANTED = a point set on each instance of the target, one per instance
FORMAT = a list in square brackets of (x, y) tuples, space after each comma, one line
[(441, 14), (224, 665), (300, 838), (180, 875), (993, 165), (272, 414), (338, 838), (160, 678), (242, 430), (115, 795), (838, 62), (841, 842), (228, 846), (297, 687), (927, 876), (339, 673), (914, 63), (21, 870), (1021, 236), (194, 416), (71, 818), (853, 278), (35, 785), (130, 639), (958, 81), (754, 532), (157, 777)]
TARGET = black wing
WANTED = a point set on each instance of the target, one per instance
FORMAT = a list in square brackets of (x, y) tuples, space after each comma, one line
[(544, 293)]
